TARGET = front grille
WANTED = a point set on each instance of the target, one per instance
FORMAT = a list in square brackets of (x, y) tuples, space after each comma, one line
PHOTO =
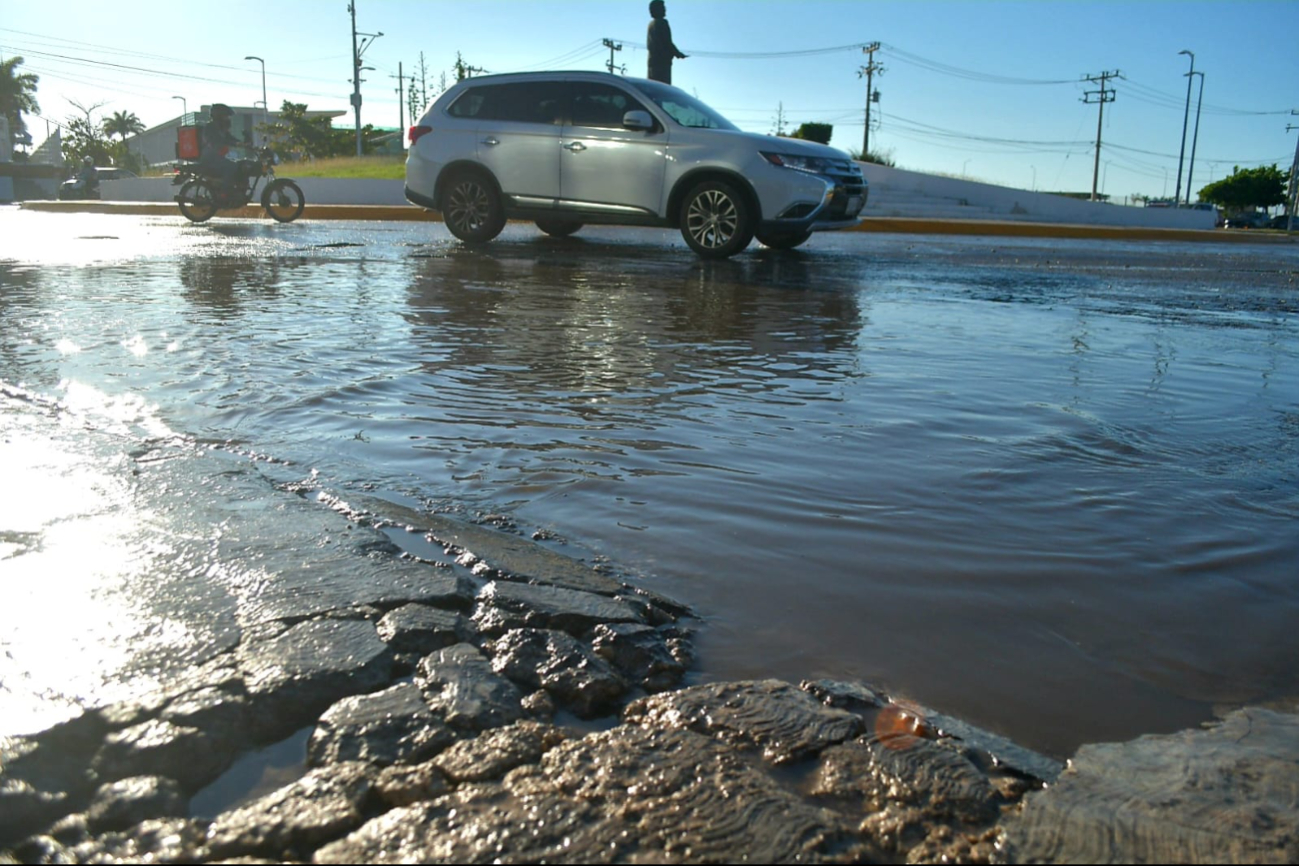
[(848, 183)]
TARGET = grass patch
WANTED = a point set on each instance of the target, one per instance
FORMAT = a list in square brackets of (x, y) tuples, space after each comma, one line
[(370, 167)]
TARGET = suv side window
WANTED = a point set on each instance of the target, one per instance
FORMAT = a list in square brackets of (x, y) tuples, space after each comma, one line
[(531, 102), (601, 105)]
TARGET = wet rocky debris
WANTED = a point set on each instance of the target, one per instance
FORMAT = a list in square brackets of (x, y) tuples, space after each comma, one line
[(477, 712)]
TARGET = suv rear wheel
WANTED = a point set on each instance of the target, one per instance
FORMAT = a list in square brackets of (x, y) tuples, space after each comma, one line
[(472, 208), (716, 221)]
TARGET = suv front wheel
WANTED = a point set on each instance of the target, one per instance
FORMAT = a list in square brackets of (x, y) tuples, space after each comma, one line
[(472, 208), (716, 220)]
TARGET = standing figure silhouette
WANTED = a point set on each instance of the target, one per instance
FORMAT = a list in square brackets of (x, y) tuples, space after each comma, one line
[(659, 41)]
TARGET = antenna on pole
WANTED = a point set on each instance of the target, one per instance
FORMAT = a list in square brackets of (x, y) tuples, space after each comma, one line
[(1102, 96)]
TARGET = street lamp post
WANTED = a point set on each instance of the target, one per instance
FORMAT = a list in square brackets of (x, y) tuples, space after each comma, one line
[(184, 107), (265, 108), (1190, 169), (1186, 116), (1034, 177)]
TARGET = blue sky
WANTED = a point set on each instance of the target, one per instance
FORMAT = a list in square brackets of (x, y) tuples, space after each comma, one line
[(988, 90)]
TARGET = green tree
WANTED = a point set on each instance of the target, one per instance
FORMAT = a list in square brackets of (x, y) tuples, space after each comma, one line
[(814, 132), (122, 123), (17, 93), (84, 136), (876, 157), (81, 138), (297, 136), (1245, 189), (464, 70)]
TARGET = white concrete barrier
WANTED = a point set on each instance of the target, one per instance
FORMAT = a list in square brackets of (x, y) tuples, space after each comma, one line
[(316, 190), (894, 192)]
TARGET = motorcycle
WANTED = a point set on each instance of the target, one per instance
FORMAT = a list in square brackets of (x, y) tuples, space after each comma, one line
[(202, 195), (75, 189)]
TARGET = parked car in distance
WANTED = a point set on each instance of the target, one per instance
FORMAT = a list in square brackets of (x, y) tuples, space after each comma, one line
[(564, 149), (1282, 222), (1251, 220)]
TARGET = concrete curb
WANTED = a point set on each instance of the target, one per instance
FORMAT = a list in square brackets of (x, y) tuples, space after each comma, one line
[(895, 225)]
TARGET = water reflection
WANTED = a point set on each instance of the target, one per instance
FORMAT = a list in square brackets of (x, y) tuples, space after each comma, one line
[(223, 285), (1027, 486), (567, 324)]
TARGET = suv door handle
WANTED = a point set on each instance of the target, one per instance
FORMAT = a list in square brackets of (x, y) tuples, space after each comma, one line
[(575, 146), (491, 139)]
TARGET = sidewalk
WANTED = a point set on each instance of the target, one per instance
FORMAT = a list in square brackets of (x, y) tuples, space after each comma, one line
[(899, 225)]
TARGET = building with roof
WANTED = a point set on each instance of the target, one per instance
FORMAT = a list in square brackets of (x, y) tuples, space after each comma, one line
[(157, 146)]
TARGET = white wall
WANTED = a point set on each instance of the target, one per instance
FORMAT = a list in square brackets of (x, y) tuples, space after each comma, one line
[(895, 192), (316, 190)]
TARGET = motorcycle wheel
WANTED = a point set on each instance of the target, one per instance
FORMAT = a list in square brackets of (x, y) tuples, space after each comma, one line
[(283, 200), (196, 201)]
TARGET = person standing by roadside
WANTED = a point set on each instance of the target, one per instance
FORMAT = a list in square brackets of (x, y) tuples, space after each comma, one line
[(662, 51)]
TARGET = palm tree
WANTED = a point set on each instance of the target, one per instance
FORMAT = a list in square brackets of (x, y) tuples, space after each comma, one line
[(17, 92), (123, 123)]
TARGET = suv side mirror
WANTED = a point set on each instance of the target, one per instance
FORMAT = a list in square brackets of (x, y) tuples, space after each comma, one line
[(638, 120)]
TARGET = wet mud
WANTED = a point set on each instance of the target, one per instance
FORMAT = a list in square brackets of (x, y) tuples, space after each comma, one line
[(512, 704)]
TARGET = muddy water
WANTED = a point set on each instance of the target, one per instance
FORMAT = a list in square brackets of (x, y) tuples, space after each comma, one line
[(1048, 486)]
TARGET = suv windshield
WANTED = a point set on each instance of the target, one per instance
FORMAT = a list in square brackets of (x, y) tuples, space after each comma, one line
[(682, 107)]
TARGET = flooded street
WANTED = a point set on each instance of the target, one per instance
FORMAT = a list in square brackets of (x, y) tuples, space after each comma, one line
[(1048, 486)]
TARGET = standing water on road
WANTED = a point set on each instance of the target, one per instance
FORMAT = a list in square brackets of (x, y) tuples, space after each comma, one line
[(1049, 486)]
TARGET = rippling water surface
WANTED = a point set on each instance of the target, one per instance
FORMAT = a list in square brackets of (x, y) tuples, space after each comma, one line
[(1052, 487)]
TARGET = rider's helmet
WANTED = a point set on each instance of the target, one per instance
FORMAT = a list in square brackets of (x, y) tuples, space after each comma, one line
[(89, 160), (221, 112)]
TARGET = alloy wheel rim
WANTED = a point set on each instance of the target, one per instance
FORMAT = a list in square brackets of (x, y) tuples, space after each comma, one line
[(712, 219), (469, 206)]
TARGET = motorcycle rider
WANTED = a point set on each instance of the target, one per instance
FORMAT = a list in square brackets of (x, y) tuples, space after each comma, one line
[(217, 141), (88, 177)]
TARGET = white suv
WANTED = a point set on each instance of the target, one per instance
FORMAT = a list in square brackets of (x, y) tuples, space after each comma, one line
[(568, 148)]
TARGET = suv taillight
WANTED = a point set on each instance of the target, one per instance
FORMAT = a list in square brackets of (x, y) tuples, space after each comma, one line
[(416, 132)]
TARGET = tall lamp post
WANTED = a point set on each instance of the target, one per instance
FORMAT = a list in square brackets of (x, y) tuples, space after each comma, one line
[(265, 108), (1195, 136), (1186, 115), (184, 107)]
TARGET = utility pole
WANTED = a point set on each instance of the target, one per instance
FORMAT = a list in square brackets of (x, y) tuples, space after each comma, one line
[(1292, 194), (867, 72), (401, 122), (358, 49), (1102, 96), (613, 46)]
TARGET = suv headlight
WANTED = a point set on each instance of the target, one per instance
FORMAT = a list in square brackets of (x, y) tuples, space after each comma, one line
[(811, 164)]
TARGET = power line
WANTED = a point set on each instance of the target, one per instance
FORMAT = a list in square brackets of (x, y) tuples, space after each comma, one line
[(760, 55), (970, 74)]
